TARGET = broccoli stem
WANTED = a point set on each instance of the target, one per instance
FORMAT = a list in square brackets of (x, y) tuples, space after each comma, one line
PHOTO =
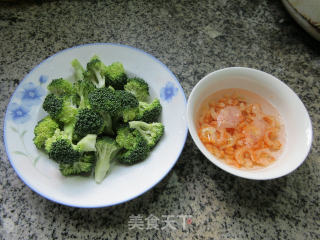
[(78, 69), (82, 103), (87, 144), (107, 123), (101, 81), (68, 129), (102, 166), (107, 149)]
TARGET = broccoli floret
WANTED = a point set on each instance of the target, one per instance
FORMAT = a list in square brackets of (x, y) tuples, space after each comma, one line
[(83, 166), (125, 137), (139, 88), (129, 105), (151, 132), (118, 103), (115, 75), (88, 121), (108, 124), (68, 111), (105, 100), (138, 154), (100, 100), (78, 69), (75, 168), (107, 149), (60, 87), (58, 135), (52, 104), (111, 88), (68, 129), (60, 108), (87, 144), (89, 157), (83, 89), (61, 149), (149, 112), (75, 98), (96, 71), (136, 148), (44, 129), (82, 86)]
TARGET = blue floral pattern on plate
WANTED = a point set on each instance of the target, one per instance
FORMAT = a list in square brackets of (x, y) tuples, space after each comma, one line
[(19, 113), (31, 94), (43, 79), (168, 91)]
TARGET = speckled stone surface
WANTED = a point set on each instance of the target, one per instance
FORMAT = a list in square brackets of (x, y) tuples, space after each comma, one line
[(192, 38)]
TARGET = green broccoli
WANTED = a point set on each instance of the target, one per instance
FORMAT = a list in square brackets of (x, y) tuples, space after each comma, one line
[(111, 88), (136, 148), (139, 88), (151, 132), (44, 129), (53, 105), (82, 86), (60, 87), (58, 135), (102, 101), (117, 103), (61, 149), (125, 137), (105, 100), (68, 130), (84, 165), (87, 143), (83, 89), (108, 123), (115, 75), (129, 105), (88, 121), (138, 154), (78, 70), (60, 108), (149, 112), (107, 149), (75, 99), (96, 72)]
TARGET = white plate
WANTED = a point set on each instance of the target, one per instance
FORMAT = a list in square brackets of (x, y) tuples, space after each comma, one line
[(306, 14), (124, 182)]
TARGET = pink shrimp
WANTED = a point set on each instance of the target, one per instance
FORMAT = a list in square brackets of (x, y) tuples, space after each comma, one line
[(243, 155), (207, 134), (270, 138), (254, 132), (263, 157), (229, 117)]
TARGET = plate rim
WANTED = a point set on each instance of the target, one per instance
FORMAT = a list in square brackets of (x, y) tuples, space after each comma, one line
[(301, 20), (69, 49)]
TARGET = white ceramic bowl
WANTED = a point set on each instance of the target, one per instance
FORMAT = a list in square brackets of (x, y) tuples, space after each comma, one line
[(124, 182), (294, 114)]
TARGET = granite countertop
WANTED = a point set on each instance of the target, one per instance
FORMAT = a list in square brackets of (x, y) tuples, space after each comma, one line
[(192, 38)]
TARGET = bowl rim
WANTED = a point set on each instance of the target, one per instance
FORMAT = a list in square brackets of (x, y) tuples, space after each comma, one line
[(221, 164), (27, 183)]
